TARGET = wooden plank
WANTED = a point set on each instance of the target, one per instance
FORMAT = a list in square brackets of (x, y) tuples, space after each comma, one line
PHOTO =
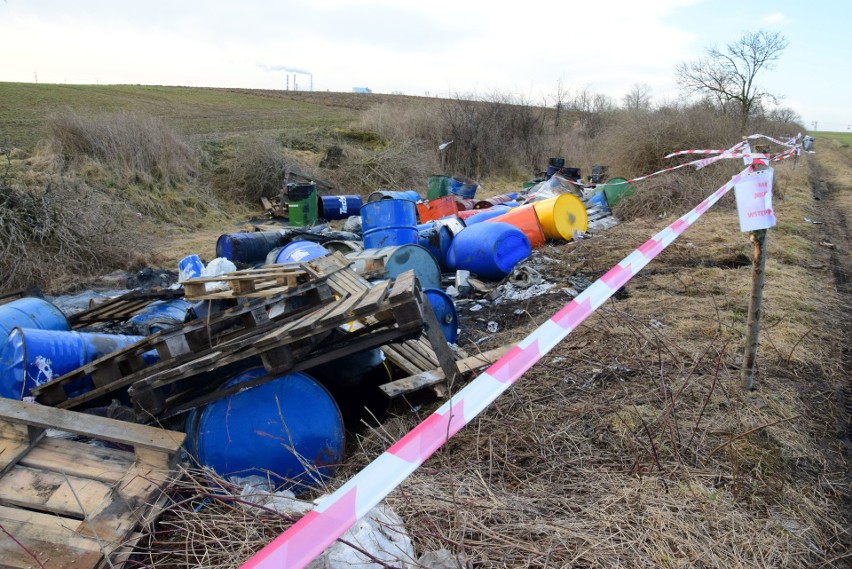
[(395, 357), (50, 554), (52, 492), (344, 307), (90, 425), (435, 376), (79, 459)]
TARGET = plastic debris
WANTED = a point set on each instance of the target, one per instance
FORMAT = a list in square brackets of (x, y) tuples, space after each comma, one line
[(492, 327), (216, 267)]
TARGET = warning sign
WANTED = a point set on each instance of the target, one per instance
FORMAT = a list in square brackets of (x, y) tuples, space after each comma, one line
[(754, 201)]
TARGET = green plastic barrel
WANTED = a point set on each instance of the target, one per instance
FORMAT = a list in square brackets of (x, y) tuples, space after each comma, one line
[(302, 203), (437, 186), (616, 189)]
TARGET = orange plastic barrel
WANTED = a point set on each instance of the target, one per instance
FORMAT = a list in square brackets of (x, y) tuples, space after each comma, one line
[(560, 216), (524, 218), (437, 208)]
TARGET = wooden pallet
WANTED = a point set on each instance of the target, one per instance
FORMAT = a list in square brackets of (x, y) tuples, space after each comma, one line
[(68, 504), (436, 378), (249, 283), (299, 344), (121, 308), (119, 369)]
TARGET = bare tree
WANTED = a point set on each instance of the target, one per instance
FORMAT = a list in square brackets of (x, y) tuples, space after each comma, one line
[(638, 98), (728, 76)]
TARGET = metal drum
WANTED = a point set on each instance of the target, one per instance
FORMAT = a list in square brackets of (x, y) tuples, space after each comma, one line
[(437, 240), (409, 195), (463, 187), (248, 248), (289, 428), (397, 260), (30, 312), (389, 222), (339, 207)]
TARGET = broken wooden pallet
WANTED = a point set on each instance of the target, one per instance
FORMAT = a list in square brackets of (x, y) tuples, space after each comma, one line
[(250, 283), (121, 308), (435, 377), (68, 504)]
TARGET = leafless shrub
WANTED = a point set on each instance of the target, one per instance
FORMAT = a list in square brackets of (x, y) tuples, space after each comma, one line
[(60, 227), (257, 168), (132, 143), (399, 166)]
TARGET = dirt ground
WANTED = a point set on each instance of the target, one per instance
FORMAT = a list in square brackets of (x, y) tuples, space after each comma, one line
[(633, 444)]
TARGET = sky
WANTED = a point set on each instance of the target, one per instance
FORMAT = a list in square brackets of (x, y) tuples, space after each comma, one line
[(435, 48)]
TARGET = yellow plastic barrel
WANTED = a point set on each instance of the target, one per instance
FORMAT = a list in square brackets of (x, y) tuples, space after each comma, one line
[(560, 216)]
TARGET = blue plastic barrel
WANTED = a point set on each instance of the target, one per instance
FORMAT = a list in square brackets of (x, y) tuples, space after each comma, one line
[(248, 248), (489, 250), (339, 207), (401, 258), (30, 312), (160, 315), (598, 200), (409, 195), (387, 223), (486, 214), (300, 252), (437, 240), (445, 311), (33, 357), (289, 428), (463, 187), (190, 267)]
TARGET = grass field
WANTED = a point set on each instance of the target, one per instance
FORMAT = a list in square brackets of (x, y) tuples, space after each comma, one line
[(193, 111), (843, 137)]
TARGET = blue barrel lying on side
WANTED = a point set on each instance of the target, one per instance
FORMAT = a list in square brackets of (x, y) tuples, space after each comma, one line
[(33, 357), (300, 252), (445, 311), (489, 250), (30, 312), (289, 428), (409, 195), (160, 315), (339, 207), (401, 258), (248, 248)]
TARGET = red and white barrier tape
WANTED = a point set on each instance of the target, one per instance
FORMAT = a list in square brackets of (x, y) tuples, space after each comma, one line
[(319, 528)]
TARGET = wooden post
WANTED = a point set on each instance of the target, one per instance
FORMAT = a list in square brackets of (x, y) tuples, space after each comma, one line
[(755, 306)]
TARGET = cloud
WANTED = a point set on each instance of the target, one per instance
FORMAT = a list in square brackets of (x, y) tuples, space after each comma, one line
[(775, 18)]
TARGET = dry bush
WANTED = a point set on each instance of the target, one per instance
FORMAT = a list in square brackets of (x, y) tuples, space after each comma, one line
[(400, 166), (129, 143), (403, 122), (257, 167), (59, 230)]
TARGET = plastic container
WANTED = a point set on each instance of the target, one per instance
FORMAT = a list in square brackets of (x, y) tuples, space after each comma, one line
[(300, 252), (33, 357), (474, 216), (160, 315), (437, 208), (437, 240), (616, 189), (489, 250), (560, 216), (437, 186), (409, 195), (190, 267), (401, 258), (248, 248), (289, 429), (388, 223), (30, 312), (302, 204), (524, 218), (339, 207), (463, 187), (445, 312), (598, 200)]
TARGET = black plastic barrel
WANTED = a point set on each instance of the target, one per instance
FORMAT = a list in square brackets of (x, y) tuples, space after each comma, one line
[(248, 248)]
